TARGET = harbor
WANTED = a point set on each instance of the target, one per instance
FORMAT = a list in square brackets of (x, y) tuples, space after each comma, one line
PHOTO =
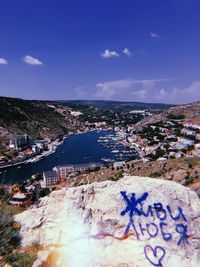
[(121, 150), (93, 146)]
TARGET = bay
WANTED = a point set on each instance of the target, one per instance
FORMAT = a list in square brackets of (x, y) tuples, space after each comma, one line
[(77, 148)]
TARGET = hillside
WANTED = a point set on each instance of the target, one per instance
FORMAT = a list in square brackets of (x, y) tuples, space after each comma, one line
[(107, 104), (187, 112), (39, 119)]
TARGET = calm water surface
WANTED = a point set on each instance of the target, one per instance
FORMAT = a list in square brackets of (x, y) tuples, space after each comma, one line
[(80, 148)]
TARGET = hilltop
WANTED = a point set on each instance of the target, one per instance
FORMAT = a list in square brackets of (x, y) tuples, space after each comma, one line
[(39, 119), (115, 105), (185, 112)]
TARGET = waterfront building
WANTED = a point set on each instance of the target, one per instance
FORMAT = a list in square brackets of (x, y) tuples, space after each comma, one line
[(19, 142), (99, 124), (87, 166), (40, 144), (67, 169), (50, 178), (64, 170)]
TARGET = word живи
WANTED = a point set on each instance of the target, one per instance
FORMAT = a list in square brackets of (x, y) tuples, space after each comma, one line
[(157, 209), (152, 230)]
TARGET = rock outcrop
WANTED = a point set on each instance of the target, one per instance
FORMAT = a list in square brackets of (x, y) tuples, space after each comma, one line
[(134, 222)]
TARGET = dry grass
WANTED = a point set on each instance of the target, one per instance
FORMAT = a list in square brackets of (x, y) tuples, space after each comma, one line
[(173, 169)]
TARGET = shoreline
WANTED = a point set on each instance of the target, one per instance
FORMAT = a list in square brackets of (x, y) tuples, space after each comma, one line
[(45, 154), (38, 157)]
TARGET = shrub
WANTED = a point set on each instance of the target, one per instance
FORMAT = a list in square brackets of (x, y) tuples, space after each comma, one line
[(44, 192), (156, 174), (112, 178), (186, 179), (20, 260), (190, 165), (9, 235)]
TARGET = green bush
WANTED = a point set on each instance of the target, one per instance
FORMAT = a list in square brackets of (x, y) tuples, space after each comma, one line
[(20, 260), (10, 238), (190, 165), (112, 178), (44, 192)]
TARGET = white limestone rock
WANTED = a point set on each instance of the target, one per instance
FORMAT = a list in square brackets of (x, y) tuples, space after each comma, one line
[(85, 225)]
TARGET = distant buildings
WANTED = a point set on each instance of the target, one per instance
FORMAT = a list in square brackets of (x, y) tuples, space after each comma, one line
[(100, 124), (186, 141), (24, 142), (186, 131), (76, 113), (118, 164), (192, 124), (18, 199), (3, 160), (141, 112)]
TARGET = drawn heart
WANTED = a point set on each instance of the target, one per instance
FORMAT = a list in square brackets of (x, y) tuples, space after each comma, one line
[(154, 255)]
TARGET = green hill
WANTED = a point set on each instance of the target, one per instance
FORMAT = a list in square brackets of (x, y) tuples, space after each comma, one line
[(39, 119)]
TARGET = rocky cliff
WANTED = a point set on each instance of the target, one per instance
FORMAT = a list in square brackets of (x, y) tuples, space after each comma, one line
[(135, 222)]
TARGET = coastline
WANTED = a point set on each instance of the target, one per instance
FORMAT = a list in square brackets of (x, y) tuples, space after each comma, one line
[(51, 149), (65, 154), (38, 157)]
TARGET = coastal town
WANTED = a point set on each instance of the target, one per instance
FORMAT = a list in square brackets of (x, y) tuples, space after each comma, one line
[(100, 133), (133, 144)]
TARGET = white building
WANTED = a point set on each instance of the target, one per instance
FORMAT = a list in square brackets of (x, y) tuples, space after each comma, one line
[(76, 113), (118, 164), (198, 136), (192, 124), (186, 141), (50, 178), (65, 170), (17, 199), (187, 131)]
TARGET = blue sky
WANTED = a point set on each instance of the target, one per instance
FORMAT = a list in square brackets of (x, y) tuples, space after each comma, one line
[(132, 50)]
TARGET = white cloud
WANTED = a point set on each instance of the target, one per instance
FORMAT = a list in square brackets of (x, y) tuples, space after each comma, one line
[(107, 54), (148, 90), (3, 61), (127, 52), (108, 89), (161, 95), (80, 90), (148, 84), (154, 35), (140, 94), (187, 94), (126, 87), (31, 60), (176, 95)]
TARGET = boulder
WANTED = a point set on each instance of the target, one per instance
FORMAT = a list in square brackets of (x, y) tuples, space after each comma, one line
[(134, 222)]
